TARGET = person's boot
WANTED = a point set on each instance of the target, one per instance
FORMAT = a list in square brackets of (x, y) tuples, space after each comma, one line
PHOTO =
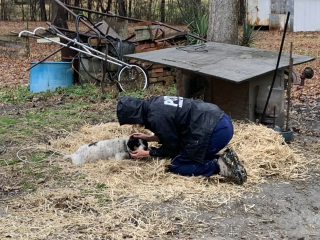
[(230, 167)]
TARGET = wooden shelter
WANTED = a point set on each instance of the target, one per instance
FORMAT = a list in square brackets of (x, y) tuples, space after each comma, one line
[(232, 76)]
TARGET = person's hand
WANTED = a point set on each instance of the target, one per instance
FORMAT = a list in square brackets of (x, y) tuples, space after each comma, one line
[(148, 138), (139, 153), (140, 135)]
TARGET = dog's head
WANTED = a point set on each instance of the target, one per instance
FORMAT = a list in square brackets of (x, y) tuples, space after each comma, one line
[(136, 143)]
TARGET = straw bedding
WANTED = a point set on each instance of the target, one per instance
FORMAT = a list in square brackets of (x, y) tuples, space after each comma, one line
[(116, 199)]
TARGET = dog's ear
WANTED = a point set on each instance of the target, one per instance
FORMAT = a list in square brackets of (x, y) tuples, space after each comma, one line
[(132, 143), (145, 143)]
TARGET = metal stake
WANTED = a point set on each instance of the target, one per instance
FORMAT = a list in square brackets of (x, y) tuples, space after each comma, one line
[(289, 87)]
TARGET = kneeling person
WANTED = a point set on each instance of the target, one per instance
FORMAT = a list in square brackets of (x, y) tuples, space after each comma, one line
[(191, 132)]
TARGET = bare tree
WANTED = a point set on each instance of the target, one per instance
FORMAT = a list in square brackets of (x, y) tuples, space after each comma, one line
[(59, 15), (149, 10), (130, 8), (162, 10), (109, 5), (43, 10), (33, 10), (90, 8), (223, 21), (4, 10), (122, 8)]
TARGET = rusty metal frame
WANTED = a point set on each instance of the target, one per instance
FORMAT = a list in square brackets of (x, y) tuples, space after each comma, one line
[(110, 14)]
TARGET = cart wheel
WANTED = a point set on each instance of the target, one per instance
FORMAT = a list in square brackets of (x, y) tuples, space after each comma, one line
[(132, 78)]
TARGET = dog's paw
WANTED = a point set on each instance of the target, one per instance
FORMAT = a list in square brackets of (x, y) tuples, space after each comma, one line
[(121, 156), (65, 157), (76, 159)]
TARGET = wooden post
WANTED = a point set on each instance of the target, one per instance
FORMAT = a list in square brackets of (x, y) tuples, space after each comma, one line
[(26, 26), (289, 87), (183, 83)]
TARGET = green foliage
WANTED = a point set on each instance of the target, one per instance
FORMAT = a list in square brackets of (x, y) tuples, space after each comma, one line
[(100, 186), (37, 157), (83, 95), (28, 186), (101, 199), (22, 93), (9, 162), (7, 121), (55, 170), (198, 26), (249, 36), (3, 131), (39, 175), (18, 94), (195, 16)]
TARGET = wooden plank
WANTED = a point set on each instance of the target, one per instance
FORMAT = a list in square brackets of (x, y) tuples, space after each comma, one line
[(231, 97), (12, 38), (172, 36), (13, 45), (229, 62)]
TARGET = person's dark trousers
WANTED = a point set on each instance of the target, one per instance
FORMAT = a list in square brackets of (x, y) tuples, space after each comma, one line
[(221, 136)]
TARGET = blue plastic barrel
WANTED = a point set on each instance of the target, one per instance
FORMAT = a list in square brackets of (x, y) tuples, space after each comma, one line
[(50, 75)]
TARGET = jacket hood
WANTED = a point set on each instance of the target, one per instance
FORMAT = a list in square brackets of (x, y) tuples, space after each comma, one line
[(130, 110)]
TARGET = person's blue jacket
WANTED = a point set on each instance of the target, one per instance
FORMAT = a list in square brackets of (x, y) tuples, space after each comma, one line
[(180, 123)]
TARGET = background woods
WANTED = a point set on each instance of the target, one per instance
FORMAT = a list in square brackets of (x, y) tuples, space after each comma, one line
[(172, 11)]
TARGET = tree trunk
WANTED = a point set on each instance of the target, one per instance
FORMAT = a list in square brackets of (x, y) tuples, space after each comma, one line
[(122, 8), (242, 12), (223, 21), (100, 6), (59, 15), (130, 8), (89, 6), (32, 11), (76, 4), (162, 10), (149, 10), (109, 6), (43, 10), (22, 11), (3, 10)]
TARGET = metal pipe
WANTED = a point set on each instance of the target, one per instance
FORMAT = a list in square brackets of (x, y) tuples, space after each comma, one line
[(56, 51), (133, 19), (277, 67), (75, 15), (87, 49)]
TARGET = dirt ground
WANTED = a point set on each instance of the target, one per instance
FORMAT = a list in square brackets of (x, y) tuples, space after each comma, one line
[(278, 210), (275, 210)]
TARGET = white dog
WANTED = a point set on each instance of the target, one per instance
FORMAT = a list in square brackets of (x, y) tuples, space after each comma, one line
[(117, 148)]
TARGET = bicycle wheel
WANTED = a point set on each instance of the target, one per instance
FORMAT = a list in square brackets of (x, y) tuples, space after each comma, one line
[(132, 78)]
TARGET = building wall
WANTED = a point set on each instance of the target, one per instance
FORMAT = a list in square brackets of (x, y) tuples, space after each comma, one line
[(279, 11), (236, 99), (259, 12), (307, 17), (304, 14), (231, 97), (272, 13)]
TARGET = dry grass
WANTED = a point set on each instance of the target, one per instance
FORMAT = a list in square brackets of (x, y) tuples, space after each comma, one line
[(111, 199), (139, 199)]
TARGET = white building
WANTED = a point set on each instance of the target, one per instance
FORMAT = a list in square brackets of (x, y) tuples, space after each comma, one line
[(304, 14)]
